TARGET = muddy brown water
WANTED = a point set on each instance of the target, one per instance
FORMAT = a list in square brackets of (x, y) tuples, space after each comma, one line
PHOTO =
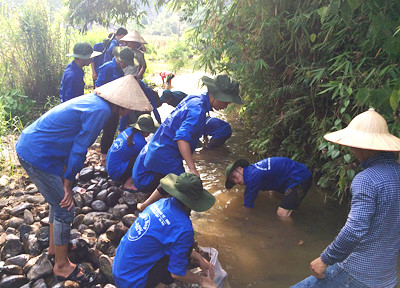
[(256, 249)]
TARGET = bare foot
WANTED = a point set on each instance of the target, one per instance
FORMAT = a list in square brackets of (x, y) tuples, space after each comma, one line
[(129, 184)]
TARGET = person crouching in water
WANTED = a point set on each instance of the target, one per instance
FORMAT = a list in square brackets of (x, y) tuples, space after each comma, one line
[(280, 174), (123, 152), (52, 150), (157, 246)]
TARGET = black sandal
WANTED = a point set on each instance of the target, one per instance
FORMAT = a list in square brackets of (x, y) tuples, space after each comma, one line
[(86, 277)]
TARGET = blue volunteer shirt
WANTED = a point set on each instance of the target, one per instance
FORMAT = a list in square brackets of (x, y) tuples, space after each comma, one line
[(108, 54), (275, 173), (108, 72), (120, 153), (62, 135), (141, 175), (368, 245), (186, 123), (98, 60), (72, 84), (162, 229), (217, 128)]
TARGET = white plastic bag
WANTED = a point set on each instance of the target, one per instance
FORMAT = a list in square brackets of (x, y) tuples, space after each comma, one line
[(220, 276)]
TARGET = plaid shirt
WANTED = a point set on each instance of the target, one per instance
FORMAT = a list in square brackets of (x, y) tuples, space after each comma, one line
[(368, 245)]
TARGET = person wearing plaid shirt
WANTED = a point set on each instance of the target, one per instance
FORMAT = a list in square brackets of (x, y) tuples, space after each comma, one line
[(365, 252)]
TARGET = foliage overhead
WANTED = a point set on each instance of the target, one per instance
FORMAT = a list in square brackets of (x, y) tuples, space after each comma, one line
[(82, 13), (306, 68)]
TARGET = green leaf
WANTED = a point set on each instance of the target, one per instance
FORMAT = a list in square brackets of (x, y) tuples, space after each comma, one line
[(347, 158), (354, 4), (313, 37), (394, 99), (322, 12), (351, 173), (335, 154)]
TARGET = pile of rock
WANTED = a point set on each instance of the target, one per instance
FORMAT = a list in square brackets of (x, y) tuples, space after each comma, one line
[(103, 214)]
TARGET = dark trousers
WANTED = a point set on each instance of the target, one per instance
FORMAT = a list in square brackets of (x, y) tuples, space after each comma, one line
[(159, 274), (108, 133)]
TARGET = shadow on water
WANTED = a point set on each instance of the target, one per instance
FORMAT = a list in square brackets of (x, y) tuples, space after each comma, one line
[(257, 249)]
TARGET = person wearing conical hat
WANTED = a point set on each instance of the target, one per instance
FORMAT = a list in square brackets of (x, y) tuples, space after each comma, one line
[(72, 84), (178, 135), (157, 247), (109, 71), (52, 150), (125, 149), (135, 41), (365, 252), (98, 60)]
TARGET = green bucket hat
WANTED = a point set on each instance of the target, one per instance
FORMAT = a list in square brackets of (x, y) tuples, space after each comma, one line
[(188, 188), (232, 167), (146, 124), (223, 88), (83, 50), (124, 54)]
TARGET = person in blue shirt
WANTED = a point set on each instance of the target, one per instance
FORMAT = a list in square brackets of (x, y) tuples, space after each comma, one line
[(72, 84), (98, 60), (52, 150), (219, 130), (366, 250), (157, 247), (135, 41), (114, 42), (178, 135), (172, 98), (279, 174), (109, 71), (124, 150)]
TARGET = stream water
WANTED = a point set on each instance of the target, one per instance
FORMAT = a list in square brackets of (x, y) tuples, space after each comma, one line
[(256, 249)]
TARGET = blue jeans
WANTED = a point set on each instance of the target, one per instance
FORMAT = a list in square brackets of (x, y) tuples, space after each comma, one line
[(51, 187), (334, 277)]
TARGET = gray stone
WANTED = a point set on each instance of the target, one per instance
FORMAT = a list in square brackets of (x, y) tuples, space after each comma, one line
[(37, 200), (41, 268), (40, 283), (129, 219), (20, 208), (11, 270), (102, 195), (106, 267), (15, 222), (11, 248), (28, 217), (19, 260), (13, 281), (99, 205), (120, 210), (88, 198)]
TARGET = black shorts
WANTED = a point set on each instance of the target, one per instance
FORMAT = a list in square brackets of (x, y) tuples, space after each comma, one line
[(293, 196), (159, 274)]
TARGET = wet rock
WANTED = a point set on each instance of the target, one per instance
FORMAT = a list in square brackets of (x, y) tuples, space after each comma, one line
[(103, 243), (11, 248), (99, 205), (11, 270), (106, 267), (20, 208), (120, 210), (116, 232), (19, 260), (129, 199), (102, 195), (13, 281), (77, 220), (86, 173), (78, 200), (129, 219), (28, 217), (31, 262), (11, 231), (103, 172), (41, 268), (15, 222), (88, 198), (86, 210), (40, 283), (112, 199)]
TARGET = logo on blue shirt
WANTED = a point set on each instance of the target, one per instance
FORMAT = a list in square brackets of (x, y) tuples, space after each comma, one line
[(142, 224)]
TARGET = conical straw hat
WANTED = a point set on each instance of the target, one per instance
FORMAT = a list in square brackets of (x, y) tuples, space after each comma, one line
[(369, 131), (133, 36), (125, 92)]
